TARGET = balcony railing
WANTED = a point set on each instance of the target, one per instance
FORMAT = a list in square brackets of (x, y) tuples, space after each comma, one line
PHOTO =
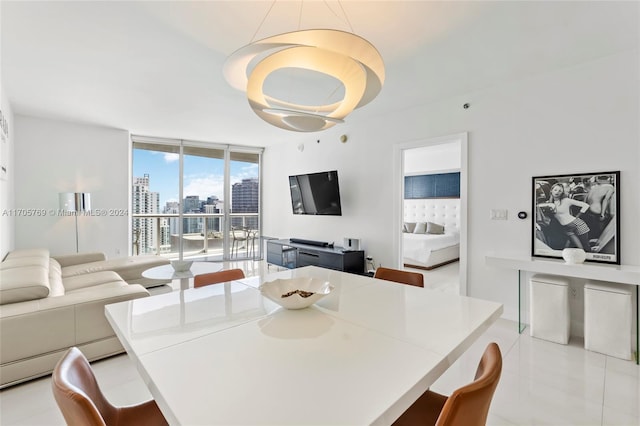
[(203, 235)]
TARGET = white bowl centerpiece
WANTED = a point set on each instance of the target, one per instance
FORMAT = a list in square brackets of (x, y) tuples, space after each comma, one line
[(296, 293), (574, 255), (181, 265)]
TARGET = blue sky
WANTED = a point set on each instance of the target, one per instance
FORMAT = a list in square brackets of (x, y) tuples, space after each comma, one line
[(202, 176)]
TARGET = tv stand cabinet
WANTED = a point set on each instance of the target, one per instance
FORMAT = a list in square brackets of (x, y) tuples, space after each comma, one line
[(295, 255)]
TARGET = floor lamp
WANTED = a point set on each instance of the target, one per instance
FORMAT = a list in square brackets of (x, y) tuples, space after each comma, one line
[(74, 203)]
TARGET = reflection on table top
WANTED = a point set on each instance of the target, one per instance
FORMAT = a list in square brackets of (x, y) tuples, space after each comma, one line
[(223, 354), (166, 272)]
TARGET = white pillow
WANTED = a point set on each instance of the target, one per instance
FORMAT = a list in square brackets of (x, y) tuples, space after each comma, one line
[(434, 228), (409, 227)]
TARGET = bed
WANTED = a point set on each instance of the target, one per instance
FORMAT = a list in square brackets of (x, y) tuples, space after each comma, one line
[(438, 246)]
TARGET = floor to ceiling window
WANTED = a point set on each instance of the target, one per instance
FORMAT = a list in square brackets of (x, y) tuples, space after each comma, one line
[(194, 199)]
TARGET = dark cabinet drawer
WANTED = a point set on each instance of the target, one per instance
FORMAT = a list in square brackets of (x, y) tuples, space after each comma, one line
[(318, 258)]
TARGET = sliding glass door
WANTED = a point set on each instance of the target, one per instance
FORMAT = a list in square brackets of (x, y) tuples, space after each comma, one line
[(203, 198), (154, 204), (244, 188), (195, 200)]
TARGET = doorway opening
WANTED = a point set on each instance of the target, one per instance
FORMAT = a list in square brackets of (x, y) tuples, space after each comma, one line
[(431, 202)]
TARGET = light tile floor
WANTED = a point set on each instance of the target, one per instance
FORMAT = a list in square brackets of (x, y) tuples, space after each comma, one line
[(444, 278), (542, 383)]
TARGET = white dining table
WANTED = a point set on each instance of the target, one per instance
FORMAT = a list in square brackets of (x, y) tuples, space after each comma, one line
[(225, 355)]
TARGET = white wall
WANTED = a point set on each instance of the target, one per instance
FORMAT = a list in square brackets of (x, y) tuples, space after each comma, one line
[(7, 235), (442, 158), (53, 157), (578, 119)]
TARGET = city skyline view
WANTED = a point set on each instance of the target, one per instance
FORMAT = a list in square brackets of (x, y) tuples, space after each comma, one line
[(155, 189), (203, 177)]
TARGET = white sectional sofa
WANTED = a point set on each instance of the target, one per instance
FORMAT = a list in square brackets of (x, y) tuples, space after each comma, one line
[(48, 304)]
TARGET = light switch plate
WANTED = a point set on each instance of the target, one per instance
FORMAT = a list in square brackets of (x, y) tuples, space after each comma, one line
[(498, 214)]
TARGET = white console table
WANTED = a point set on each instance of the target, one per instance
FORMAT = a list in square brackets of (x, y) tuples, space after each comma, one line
[(624, 274)]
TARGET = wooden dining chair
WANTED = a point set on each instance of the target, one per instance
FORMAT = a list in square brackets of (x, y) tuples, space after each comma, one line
[(467, 406), (399, 276), (82, 403), (217, 277)]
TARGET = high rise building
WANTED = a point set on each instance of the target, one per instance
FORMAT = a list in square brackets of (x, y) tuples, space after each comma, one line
[(213, 205), (165, 235), (172, 207), (192, 225), (192, 204), (244, 199), (144, 230)]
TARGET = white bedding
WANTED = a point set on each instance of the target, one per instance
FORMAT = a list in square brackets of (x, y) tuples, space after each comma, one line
[(419, 249), (427, 251)]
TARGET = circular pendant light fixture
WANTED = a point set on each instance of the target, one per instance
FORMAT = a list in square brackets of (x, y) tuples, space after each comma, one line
[(339, 55)]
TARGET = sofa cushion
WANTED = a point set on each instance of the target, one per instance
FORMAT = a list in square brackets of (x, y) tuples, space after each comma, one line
[(56, 288), (129, 268), (34, 252), (25, 261), (78, 258), (22, 284), (79, 282)]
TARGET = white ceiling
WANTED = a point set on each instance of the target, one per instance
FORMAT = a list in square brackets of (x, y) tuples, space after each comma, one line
[(155, 68)]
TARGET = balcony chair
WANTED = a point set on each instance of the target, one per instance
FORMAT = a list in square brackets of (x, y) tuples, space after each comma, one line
[(82, 403), (399, 276), (239, 236), (243, 235), (467, 406), (217, 277)]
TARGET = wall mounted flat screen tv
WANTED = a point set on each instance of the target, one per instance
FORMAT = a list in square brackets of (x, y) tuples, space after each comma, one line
[(316, 194)]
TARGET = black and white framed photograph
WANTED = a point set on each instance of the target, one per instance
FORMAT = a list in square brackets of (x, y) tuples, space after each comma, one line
[(577, 211)]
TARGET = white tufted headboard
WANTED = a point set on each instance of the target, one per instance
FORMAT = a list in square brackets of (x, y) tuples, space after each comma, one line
[(443, 211)]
